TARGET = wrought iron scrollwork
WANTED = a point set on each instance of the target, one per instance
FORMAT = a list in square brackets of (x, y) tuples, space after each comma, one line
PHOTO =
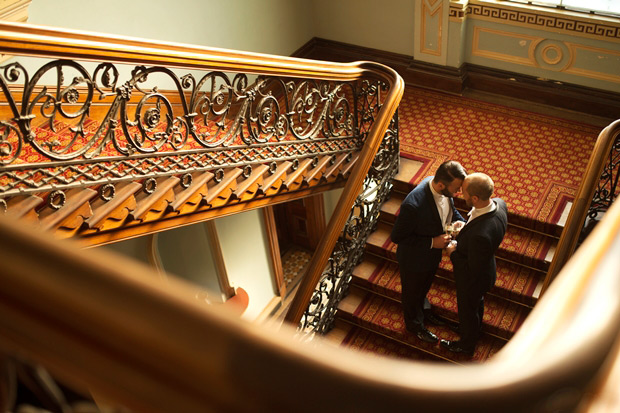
[(349, 249), (607, 188), (68, 128)]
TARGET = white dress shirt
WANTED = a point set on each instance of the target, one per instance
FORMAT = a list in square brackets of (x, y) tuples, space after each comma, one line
[(476, 212), (443, 206)]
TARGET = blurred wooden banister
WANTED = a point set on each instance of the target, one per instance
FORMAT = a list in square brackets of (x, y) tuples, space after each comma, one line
[(99, 321), (603, 395)]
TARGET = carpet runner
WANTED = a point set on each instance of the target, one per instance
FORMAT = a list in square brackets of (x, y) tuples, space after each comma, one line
[(536, 162)]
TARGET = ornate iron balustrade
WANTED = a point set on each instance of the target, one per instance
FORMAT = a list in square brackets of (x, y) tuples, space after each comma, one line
[(99, 130), (607, 189), (362, 221), (205, 124)]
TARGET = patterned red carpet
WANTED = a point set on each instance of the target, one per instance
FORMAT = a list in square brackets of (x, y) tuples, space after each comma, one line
[(536, 161), (384, 316)]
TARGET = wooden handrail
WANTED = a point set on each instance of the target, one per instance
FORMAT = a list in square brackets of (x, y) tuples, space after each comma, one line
[(603, 396), (105, 323), (40, 41), (345, 202), (581, 204), (47, 42)]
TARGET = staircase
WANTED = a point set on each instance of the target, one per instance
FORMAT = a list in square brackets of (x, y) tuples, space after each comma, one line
[(370, 317)]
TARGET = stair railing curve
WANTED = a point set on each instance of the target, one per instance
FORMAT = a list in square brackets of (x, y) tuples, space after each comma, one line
[(334, 281), (595, 195), (103, 324)]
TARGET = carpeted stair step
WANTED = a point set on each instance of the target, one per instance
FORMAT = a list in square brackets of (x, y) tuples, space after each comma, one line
[(384, 316), (514, 281), (520, 245), (502, 318), (361, 339)]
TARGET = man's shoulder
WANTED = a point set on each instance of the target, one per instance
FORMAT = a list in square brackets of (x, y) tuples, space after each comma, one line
[(421, 188), (417, 196), (501, 206)]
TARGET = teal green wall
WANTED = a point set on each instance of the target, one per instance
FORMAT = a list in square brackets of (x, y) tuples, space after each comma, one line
[(550, 44)]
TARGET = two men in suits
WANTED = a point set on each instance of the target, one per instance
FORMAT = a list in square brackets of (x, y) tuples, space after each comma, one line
[(473, 258), (419, 231)]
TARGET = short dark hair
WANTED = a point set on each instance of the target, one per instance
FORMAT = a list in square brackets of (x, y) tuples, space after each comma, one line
[(449, 171)]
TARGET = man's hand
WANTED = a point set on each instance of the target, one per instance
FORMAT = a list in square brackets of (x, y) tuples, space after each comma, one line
[(451, 247), (441, 241), (457, 226)]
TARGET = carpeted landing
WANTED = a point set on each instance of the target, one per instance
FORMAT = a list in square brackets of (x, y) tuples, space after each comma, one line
[(536, 162)]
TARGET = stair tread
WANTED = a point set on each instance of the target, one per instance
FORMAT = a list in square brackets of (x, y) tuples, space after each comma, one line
[(514, 281), (520, 245), (501, 317), (384, 316), (367, 341)]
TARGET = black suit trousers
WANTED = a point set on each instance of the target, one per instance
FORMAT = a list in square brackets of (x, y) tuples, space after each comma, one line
[(414, 287), (471, 310)]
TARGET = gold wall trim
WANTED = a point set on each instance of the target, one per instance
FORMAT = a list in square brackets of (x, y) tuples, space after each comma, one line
[(430, 9), (552, 60), (528, 61), (556, 20), (559, 56), (457, 12), (14, 10), (574, 49)]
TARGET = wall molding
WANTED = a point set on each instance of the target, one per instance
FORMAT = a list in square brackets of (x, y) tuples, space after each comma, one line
[(455, 80), (13, 11), (576, 24)]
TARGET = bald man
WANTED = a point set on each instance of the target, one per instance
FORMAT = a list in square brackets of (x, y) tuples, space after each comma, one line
[(473, 258)]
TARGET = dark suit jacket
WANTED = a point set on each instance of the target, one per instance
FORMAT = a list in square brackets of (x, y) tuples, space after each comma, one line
[(417, 223), (474, 257)]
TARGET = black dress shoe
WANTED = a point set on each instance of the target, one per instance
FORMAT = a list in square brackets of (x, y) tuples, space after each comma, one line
[(432, 319), (425, 335), (452, 325), (456, 347)]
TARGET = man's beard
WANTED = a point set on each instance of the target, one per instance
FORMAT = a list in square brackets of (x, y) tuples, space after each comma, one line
[(447, 193)]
